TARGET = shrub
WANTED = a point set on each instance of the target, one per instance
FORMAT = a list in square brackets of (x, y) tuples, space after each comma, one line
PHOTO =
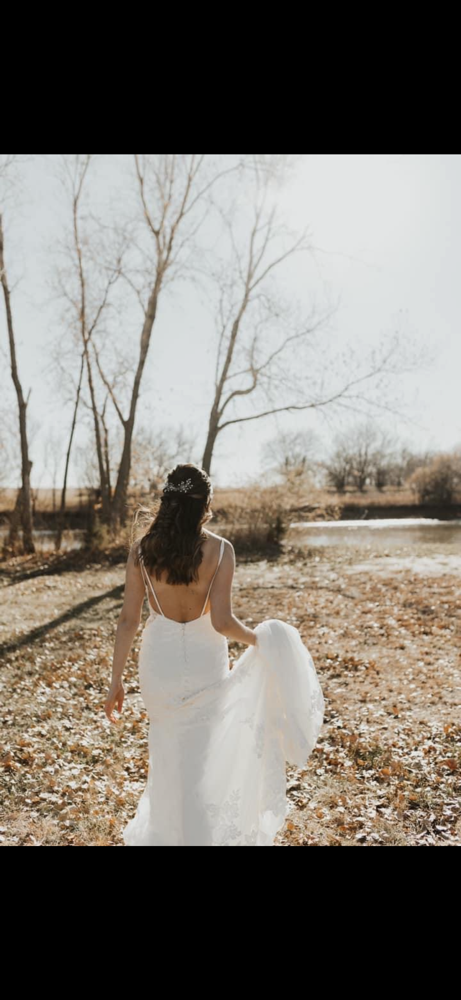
[(436, 482), (258, 517)]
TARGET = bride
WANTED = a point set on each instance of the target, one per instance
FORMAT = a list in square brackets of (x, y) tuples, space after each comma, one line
[(218, 738)]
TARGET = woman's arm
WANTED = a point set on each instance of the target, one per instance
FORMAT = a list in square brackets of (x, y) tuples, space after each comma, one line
[(127, 626), (223, 619)]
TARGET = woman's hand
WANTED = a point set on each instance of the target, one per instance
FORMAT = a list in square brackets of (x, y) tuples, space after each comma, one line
[(115, 697)]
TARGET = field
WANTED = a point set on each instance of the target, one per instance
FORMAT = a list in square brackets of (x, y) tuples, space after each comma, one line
[(384, 634), (46, 500)]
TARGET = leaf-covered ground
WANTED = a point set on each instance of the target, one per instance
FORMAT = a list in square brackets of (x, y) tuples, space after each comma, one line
[(384, 634)]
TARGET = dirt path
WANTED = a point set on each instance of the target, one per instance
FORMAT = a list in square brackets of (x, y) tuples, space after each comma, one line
[(384, 633)]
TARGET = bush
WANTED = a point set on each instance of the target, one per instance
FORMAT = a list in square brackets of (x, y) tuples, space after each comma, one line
[(437, 481), (98, 536), (256, 519)]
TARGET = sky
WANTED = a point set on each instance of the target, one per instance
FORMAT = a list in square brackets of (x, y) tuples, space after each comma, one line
[(385, 233)]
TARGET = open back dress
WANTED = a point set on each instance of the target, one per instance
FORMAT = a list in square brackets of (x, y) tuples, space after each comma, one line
[(219, 738)]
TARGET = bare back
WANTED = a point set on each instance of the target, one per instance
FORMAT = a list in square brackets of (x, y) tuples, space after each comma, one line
[(187, 602)]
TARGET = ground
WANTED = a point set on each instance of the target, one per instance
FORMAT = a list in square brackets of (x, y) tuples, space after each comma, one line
[(384, 634)]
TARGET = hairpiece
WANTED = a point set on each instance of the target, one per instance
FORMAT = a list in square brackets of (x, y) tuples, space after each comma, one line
[(183, 486)]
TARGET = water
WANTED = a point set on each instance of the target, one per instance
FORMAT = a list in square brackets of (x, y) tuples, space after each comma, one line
[(379, 533), (44, 539)]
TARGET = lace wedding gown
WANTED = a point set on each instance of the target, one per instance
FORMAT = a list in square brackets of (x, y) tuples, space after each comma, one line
[(218, 738)]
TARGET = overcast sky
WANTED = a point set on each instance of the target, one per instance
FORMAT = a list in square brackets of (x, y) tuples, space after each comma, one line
[(386, 235)]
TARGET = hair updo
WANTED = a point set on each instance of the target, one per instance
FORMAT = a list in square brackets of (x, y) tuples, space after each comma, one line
[(188, 481), (174, 538)]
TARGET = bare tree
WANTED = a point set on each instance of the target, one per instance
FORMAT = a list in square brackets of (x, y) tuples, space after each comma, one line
[(405, 461), (62, 505), (352, 460), (362, 443), (381, 458), (23, 509), (10, 464), (77, 173), (155, 452), (86, 463), (291, 455), (111, 443), (172, 192), (248, 311), (338, 466), (361, 455), (52, 455), (84, 282), (267, 353)]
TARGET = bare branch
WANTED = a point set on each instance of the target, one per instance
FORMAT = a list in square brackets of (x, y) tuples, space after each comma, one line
[(109, 387)]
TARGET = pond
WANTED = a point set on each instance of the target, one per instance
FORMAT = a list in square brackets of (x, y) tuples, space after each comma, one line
[(378, 533), (44, 539), (375, 534)]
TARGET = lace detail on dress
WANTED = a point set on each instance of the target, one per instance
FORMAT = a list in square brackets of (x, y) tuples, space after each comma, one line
[(219, 739)]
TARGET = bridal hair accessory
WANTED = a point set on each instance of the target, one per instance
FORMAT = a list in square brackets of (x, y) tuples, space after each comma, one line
[(183, 486)]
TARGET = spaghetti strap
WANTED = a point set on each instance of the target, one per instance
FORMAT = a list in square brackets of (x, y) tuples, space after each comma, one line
[(221, 550), (147, 580)]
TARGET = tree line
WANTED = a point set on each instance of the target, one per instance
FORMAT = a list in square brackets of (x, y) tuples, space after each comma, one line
[(213, 224)]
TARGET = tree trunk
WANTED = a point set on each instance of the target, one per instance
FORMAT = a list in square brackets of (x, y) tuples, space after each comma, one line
[(119, 511), (15, 520), (211, 436), (62, 509), (106, 512), (26, 464), (209, 448)]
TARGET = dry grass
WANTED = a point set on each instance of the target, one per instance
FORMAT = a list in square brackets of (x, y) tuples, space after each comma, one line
[(387, 767), (295, 495), (44, 498)]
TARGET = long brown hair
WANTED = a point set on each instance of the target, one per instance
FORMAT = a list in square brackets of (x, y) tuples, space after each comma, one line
[(174, 537)]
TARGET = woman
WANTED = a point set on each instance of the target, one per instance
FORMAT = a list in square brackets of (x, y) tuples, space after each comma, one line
[(218, 739)]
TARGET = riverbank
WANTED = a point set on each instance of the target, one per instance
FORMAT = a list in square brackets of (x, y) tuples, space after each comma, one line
[(385, 640), (231, 504)]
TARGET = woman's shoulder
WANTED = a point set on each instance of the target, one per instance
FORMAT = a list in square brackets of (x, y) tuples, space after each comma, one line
[(218, 538), (135, 550), (227, 549)]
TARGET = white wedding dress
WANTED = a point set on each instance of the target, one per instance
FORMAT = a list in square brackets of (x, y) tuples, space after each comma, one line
[(219, 739)]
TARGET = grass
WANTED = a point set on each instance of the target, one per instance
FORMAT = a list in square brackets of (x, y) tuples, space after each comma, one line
[(386, 770)]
